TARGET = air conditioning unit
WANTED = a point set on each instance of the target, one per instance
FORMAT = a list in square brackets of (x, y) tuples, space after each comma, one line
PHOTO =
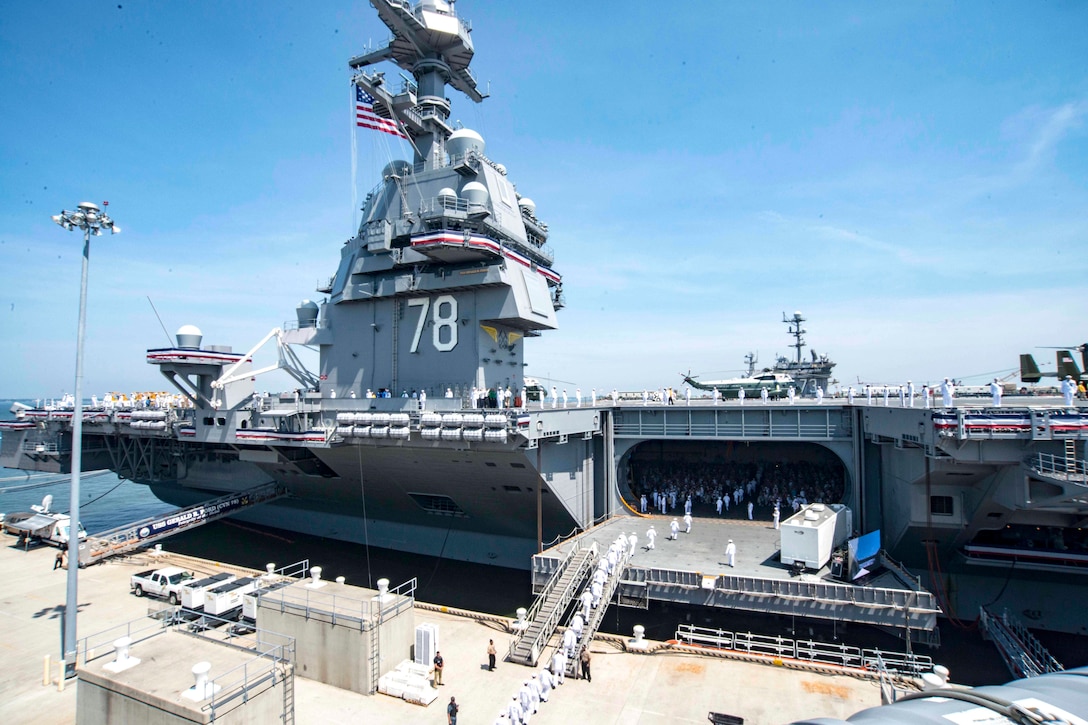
[(426, 644)]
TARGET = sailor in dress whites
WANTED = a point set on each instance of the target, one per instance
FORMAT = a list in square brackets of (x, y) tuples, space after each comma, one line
[(674, 527), (719, 504), (577, 397), (559, 666), (868, 394), (645, 397), (777, 515), (687, 522), (716, 395), (651, 535), (819, 395), (886, 392), (995, 393), (547, 682), (850, 395), (1069, 389), (740, 396), (593, 397), (642, 504), (751, 506), (910, 394), (792, 394), (948, 392), (763, 395), (731, 553), (902, 397), (632, 541), (564, 397), (687, 394)]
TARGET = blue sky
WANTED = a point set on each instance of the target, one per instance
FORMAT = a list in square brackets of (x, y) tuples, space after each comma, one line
[(913, 177)]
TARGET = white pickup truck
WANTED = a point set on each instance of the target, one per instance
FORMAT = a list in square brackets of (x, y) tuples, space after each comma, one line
[(165, 583)]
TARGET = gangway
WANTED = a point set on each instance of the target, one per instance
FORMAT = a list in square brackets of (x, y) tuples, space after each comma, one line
[(554, 598), (1024, 655), (596, 614), (129, 537)]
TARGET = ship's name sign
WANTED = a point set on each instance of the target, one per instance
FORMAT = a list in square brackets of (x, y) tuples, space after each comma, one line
[(443, 315)]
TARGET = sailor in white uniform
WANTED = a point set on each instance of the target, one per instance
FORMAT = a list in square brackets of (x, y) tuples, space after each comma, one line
[(615, 397), (645, 397), (751, 506), (910, 394), (559, 665), (792, 394), (716, 395), (642, 504), (868, 394), (995, 393), (886, 392), (902, 397), (632, 541), (577, 624), (514, 711), (597, 590), (587, 602), (687, 523), (525, 698), (925, 395), (819, 395), (777, 515), (547, 682), (593, 397), (1069, 389), (687, 394), (569, 642), (719, 504), (555, 397), (564, 397), (740, 396), (731, 553), (651, 534), (948, 392), (674, 527), (577, 397), (763, 395)]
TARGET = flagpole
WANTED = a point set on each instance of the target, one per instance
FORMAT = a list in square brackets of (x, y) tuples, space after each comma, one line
[(354, 163)]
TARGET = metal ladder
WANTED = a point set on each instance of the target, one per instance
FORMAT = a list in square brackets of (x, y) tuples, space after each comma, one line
[(1070, 456), (553, 601), (1024, 655), (288, 694)]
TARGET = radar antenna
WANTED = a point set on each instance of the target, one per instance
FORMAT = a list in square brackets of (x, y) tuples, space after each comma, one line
[(795, 330)]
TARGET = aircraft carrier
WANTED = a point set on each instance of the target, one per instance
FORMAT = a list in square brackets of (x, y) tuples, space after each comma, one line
[(414, 433)]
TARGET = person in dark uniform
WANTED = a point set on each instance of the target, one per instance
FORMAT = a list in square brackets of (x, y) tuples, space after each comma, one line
[(439, 663), (584, 659), (451, 711)]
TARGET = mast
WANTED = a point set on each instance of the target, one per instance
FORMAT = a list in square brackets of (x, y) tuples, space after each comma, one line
[(434, 45), (795, 330)]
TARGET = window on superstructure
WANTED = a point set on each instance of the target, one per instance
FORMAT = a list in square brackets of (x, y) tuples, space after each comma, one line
[(941, 506)]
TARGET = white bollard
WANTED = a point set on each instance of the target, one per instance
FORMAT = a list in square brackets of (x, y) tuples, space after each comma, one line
[(45, 672), (315, 578), (639, 643), (340, 580)]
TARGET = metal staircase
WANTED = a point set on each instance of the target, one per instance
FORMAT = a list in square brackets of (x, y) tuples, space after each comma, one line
[(1024, 655), (596, 615), (546, 612)]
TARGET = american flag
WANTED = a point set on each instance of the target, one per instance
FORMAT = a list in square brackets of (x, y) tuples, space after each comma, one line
[(365, 116)]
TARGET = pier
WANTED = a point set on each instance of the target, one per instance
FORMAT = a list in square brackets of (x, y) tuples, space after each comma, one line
[(664, 687)]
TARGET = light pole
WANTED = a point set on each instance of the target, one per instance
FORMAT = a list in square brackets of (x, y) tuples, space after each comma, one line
[(91, 220)]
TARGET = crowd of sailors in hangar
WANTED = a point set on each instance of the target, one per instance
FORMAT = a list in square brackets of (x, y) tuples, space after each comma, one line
[(730, 488)]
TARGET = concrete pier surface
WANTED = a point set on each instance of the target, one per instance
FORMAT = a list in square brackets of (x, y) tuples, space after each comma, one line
[(628, 688)]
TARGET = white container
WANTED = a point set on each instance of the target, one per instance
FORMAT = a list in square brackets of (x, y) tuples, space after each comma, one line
[(810, 535)]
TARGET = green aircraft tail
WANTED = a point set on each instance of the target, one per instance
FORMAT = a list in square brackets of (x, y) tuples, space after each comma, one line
[(1029, 371), (1067, 365)]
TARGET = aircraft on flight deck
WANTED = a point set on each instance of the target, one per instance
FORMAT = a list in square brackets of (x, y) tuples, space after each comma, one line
[(1066, 365), (776, 384)]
